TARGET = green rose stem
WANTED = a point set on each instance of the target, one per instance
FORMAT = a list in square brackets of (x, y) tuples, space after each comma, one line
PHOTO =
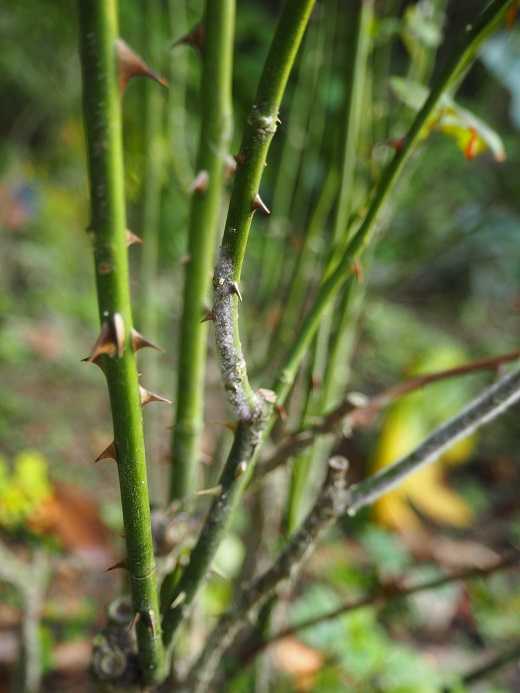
[(114, 350), (219, 21)]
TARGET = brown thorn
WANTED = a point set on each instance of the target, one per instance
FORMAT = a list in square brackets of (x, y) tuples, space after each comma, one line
[(281, 411), (208, 316), (148, 619), (96, 361), (195, 38), (111, 340), (132, 239), (140, 342), (231, 425), (117, 566), (234, 289), (230, 166), (134, 621), (258, 203), (241, 469), (147, 397), (200, 183), (132, 65), (109, 453), (357, 269)]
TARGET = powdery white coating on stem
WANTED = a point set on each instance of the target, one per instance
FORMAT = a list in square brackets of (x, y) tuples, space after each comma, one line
[(245, 403)]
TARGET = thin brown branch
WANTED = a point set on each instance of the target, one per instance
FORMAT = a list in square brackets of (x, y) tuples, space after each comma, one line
[(353, 415), (383, 595)]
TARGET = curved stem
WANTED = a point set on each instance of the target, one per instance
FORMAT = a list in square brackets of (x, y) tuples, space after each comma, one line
[(215, 134), (261, 126), (102, 115), (251, 409)]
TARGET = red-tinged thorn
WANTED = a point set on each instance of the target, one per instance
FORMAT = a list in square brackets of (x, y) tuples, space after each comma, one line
[(281, 411), (234, 289), (357, 269), (109, 453), (397, 143), (140, 342), (208, 316), (132, 239), (194, 38), (147, 397), (258, 203), (119, 565), (201, 182), (470, 150), (131, 65)]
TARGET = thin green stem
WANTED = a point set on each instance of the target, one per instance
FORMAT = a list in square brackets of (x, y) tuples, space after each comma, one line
[(298, 285), (460, 62), (178, 596), (288, 168), (215, 134), (102, 115), (356, 57), (182, 167), (261, 126), (151, 194)]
